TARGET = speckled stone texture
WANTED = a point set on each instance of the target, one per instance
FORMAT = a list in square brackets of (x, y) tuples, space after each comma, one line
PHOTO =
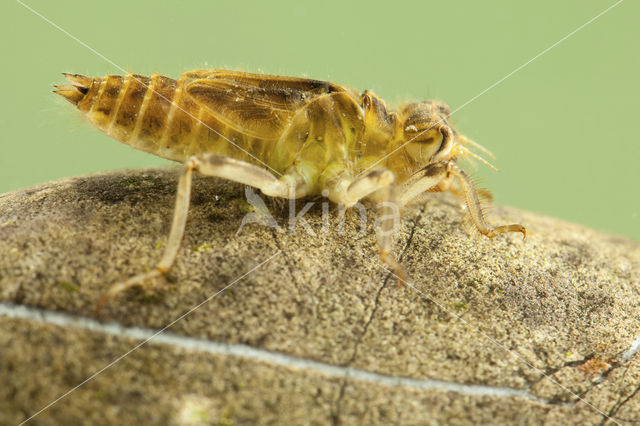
[(554, 317)]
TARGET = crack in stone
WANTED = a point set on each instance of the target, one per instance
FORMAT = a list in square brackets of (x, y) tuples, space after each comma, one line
[(618, 406), (600, 380), (620, 396), (336, 414), (578, 396), (624, 359), (554, 370)]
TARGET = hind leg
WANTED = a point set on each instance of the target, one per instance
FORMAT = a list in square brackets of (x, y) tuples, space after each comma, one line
[(290, 185)]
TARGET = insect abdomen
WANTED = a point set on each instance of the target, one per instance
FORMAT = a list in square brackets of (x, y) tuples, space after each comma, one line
[(149, 113)]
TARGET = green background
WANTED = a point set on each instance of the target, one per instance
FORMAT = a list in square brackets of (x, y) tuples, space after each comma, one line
[(563, 128)]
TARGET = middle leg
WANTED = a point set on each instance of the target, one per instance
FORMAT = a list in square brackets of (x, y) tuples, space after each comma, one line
[(380, 185)]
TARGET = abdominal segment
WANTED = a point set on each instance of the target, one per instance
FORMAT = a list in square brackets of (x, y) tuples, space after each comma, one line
[(153, 114)]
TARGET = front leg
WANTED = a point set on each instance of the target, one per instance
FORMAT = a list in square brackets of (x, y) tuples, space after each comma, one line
[(422, 181), (475, 211), (437, 173), (290, 185)]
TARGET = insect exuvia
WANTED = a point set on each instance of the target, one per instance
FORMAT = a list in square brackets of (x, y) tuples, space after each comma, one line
[(289, 137)]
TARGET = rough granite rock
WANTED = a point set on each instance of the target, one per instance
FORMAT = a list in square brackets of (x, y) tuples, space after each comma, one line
[(487, 332)]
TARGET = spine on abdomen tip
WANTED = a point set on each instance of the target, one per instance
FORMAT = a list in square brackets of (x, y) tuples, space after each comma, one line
[(148, 113)]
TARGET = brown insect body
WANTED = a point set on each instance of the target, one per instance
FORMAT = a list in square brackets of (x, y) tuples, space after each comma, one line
[(318, 122), (314, 135)]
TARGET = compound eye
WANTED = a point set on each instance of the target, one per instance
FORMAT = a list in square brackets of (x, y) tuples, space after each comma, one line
[(419, 135), (444, 109)]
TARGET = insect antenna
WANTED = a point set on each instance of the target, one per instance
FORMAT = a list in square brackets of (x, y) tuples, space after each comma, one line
[(466, 141), (467, 152)]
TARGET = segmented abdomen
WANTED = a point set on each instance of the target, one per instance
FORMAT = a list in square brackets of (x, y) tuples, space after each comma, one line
[(154, 115)]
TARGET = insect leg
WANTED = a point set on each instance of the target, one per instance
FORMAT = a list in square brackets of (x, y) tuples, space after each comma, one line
[(422, 181), (347, 191), (441, 173), (473, 204), (378, 184), (289, 185), (175, 236)]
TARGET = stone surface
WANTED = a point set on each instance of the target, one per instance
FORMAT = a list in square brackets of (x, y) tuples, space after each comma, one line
[(487, 331)]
